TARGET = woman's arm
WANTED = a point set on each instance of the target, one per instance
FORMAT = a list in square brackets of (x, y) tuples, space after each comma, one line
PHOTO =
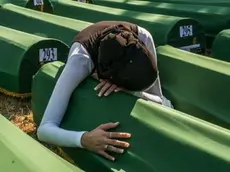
[(77, 68)]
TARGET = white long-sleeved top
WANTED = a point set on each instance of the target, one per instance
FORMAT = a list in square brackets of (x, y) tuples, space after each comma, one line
[(78, 66)]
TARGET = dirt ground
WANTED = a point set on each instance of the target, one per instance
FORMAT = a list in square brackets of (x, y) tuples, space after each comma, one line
[(19, 112)]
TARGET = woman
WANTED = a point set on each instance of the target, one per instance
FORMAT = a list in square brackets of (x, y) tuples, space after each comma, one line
[(123, 56)]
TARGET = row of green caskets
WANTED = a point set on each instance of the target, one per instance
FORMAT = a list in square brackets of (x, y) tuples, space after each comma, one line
[(213, 15), (180, 32), (195, 137)]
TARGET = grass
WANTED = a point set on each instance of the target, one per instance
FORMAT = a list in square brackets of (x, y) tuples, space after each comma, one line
[(19, 112)]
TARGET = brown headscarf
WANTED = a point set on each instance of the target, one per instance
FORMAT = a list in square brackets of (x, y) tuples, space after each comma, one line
[(125, 61)]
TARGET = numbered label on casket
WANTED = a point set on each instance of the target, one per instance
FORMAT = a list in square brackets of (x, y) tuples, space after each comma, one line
[(47, 54), (38, 2), (186, 31), (82, 1)]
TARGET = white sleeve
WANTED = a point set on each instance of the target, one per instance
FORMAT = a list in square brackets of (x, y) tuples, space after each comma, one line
[(78, 67), (147, 39)]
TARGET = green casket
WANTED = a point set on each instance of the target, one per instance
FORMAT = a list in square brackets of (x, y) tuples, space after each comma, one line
[(162, 140), (184, 33), (221, 49), (22, 54), (214, 19), (196, 84), (21, 153), (222, 3), (41, 24), (38, 5)]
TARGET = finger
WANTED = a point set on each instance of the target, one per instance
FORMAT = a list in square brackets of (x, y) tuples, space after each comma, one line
[(104, 89), (119, 135), (118, 143), (110, 90), (118, 89), (108, 125), (102, 83), (95, 76), (106, 155), (114, 149)]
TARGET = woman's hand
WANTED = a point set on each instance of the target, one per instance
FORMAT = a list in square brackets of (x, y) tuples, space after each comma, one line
[(101, 141), (106, 88)]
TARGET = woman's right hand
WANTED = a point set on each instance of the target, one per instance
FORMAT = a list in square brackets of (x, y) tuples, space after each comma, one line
[(101, 141)]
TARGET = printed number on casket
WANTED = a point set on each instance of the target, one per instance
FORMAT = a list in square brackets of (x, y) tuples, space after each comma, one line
[(38, 2), (47, 54), (186, 31)]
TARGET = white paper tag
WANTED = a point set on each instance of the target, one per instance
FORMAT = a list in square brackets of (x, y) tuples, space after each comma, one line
[(190, 47), (38, 2), (82, 1), (186, 31), (47, 54)]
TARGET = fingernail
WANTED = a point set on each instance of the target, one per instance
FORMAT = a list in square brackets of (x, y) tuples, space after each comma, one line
[(127, 145), (125, 135), (113, 159), (116, 123), (99, 95), (121, 151), (106, 94), (115, 90), (128, 135)]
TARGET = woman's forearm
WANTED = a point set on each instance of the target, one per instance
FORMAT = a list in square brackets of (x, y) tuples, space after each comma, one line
[(77, 68)]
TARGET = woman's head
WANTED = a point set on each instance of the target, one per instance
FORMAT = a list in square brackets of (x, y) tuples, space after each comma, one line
[(124, 61)]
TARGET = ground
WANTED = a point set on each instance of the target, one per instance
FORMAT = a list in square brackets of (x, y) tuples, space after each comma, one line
[(19, 112)]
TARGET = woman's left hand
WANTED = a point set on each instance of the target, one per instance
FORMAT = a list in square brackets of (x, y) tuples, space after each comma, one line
[(106, 88)]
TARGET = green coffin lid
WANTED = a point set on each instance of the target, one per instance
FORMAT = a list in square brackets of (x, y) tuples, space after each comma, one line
[(222, 3), (221, 46), (22, 54), (196, 84), (41, 24), (21, 153)]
